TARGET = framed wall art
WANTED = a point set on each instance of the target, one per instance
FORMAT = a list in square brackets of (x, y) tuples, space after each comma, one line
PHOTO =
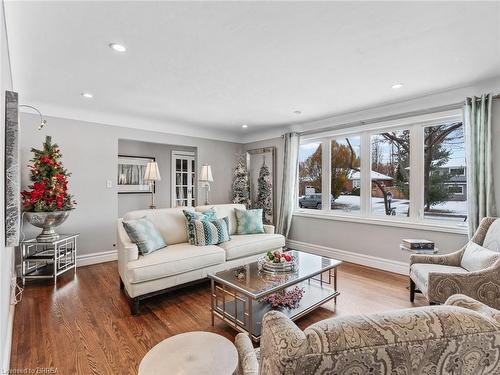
[(131, 170)]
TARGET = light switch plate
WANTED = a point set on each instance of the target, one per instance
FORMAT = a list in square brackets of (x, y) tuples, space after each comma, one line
[(109, 184)]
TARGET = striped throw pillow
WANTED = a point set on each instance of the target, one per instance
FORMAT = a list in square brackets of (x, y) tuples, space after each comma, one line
[(249, 221), (208, 215), (144, 234), (212, 232)]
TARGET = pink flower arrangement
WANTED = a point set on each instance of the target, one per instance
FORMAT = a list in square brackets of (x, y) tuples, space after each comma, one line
[(287, 298)]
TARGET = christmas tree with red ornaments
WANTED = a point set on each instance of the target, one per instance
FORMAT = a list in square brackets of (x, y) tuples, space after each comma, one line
[(49, 191)]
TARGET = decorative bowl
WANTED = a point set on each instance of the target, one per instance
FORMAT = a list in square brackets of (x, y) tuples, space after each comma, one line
[(47, 221), (267, 266)]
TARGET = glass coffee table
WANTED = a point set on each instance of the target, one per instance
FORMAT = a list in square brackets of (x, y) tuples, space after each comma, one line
[(237, 293)]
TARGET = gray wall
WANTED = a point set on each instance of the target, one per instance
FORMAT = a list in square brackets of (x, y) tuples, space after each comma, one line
[(90, 153), (368, 239), (6, 253), (163, 156)]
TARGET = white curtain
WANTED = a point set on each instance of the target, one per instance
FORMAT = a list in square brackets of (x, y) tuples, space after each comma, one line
[(480, 186), (289, 182)]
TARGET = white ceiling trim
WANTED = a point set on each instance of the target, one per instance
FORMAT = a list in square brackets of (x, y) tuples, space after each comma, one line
[(126, 121)]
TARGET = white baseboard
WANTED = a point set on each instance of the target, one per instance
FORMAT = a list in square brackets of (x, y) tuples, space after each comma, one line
[(88, 259), (349, 256), (94, 258), (9, 331), (8, 341)]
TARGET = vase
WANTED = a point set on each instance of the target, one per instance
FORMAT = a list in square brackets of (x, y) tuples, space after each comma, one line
[(47, 221)]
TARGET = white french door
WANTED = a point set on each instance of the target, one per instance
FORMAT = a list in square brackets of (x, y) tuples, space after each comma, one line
[(183, 179)]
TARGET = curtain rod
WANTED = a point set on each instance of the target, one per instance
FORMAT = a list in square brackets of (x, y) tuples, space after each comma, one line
[(398, 116), (497, 96)]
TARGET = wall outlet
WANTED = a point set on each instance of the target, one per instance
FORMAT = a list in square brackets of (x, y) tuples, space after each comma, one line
[(109, 184)]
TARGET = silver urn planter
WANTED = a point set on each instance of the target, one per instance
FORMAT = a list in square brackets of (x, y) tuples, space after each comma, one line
[(47, 221)]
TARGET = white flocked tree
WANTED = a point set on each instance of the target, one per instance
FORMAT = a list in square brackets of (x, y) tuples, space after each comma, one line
[(241, 184)]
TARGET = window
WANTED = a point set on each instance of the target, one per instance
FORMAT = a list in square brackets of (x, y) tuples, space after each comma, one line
[(390, 173), (444, 172), (456, 189), (410, 170), (457, 171), (346, 174), (310, 176)]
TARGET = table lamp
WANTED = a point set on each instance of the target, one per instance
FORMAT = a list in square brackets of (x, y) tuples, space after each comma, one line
[(206, 178), (152, 174)]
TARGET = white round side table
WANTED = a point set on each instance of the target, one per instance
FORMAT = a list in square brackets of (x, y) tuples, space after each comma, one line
[(191, 353)]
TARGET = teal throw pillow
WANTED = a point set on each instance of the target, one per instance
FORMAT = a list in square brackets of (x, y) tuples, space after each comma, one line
[(191, 216), (249, 221), (212, 232), (144, 234)]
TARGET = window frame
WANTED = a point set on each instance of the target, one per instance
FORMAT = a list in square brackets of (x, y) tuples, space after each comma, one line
[(415, 125)]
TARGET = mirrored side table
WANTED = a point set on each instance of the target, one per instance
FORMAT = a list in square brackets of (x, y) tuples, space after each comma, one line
[(48, 260)]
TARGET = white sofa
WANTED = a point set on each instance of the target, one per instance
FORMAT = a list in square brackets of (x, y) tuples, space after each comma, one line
[(180, 262)]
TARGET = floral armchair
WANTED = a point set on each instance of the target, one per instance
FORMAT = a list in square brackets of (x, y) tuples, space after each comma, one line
[(461, 337), (474, 270)]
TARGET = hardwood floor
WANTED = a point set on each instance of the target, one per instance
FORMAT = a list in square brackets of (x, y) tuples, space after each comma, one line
[(84, 326)]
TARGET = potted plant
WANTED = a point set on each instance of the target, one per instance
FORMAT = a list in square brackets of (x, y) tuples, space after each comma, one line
[(47, 203)]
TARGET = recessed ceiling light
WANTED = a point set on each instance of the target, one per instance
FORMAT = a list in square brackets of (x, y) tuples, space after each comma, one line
[(117, 47), (87, 95), (297, 112), (244, 126), (397, 86)]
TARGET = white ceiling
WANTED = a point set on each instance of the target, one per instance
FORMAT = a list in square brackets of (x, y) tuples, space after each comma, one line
[(207, 67)]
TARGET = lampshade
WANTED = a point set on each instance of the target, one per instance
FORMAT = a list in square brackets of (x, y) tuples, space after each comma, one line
[(206, 174), (152, 172)]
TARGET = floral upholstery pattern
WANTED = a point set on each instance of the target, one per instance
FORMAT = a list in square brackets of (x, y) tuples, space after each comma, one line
[(492, 238), (439, 284), (460, 337), (421, 273)]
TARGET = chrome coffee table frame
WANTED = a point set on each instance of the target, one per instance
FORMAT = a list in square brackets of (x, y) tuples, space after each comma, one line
[(243, 309)]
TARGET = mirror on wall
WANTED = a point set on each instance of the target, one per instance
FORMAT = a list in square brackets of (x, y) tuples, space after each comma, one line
[(261, 166)]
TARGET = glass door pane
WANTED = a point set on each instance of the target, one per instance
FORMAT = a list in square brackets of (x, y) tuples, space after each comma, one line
[(184, 180)]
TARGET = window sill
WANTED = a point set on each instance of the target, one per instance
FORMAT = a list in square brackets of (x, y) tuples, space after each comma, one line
[(402, 223)]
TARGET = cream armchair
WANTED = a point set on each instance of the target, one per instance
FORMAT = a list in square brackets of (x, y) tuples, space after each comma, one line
[(474, 270), (460, 337)]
